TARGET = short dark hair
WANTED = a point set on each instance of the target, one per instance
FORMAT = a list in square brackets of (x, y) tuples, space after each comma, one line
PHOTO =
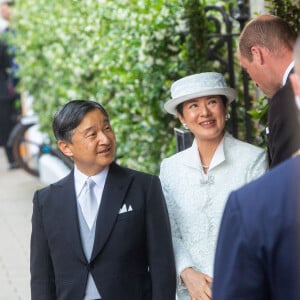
[(70, 115), (179, 107)]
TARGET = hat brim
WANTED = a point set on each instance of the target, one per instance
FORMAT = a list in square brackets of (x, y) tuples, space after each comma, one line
[(170, 105)]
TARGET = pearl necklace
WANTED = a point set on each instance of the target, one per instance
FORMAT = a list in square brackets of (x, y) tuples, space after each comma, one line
[(205, 166)]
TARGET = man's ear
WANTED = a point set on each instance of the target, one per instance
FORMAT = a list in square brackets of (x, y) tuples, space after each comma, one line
[(65, 148), (257, 54)]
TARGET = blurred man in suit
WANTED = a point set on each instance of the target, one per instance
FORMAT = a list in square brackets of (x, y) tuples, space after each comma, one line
[(103, 231), (257, 255)]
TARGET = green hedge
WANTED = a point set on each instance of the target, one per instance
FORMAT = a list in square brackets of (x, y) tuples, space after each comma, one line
[(124, 54)]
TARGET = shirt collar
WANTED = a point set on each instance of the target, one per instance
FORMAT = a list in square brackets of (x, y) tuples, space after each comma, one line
[(287, 72), (80, 178)]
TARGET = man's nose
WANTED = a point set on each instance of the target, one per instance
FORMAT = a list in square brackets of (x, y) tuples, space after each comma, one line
[(102, 137)]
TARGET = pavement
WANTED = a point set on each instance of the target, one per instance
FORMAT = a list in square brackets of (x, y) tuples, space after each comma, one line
[(16, 193)]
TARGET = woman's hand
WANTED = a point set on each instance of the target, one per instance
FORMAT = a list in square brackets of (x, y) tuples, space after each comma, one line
[(197, 283)]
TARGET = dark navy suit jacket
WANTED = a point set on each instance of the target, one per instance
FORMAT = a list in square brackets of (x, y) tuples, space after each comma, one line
[(257, 255), (132, 258)]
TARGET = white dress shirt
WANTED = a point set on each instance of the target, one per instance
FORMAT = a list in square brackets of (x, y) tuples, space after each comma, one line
[(287, 72), (80, 179)]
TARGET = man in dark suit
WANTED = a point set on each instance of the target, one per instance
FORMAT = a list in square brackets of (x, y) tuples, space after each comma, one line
[(257, 255), (265, 51), (124, 251)]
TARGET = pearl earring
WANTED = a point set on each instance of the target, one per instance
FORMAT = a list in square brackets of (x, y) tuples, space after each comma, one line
[(185, 126), (227, 116)]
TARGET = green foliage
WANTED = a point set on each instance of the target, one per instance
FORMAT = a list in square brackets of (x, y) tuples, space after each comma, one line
[(288, 10), (124, 54), (258, 113), (196, 43), (260, 110)]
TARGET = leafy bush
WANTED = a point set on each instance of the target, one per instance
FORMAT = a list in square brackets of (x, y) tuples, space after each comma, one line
[(124, 54), (288, 10)]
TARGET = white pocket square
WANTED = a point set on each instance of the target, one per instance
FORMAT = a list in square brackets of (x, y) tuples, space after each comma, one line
[(124, 209)]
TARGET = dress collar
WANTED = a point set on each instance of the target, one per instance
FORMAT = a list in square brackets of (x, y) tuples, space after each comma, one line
[(219, 155), (193, 157)]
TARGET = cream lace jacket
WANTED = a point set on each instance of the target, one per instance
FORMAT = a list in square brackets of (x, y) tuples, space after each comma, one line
[(196, 200)]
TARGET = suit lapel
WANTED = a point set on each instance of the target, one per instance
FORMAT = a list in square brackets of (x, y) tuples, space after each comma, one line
[(113, 196), (66, 194)]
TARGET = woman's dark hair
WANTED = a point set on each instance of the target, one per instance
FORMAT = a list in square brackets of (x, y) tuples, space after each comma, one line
[(179, 107), (70, 115)]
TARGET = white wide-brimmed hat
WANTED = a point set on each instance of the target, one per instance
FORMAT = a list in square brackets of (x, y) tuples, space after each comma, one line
[(198, 85)]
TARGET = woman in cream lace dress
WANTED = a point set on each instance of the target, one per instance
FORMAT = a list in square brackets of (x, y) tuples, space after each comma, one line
[(197, 181)]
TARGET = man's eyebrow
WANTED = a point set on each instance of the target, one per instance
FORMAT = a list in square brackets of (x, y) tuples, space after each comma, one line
[(86, 130)]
